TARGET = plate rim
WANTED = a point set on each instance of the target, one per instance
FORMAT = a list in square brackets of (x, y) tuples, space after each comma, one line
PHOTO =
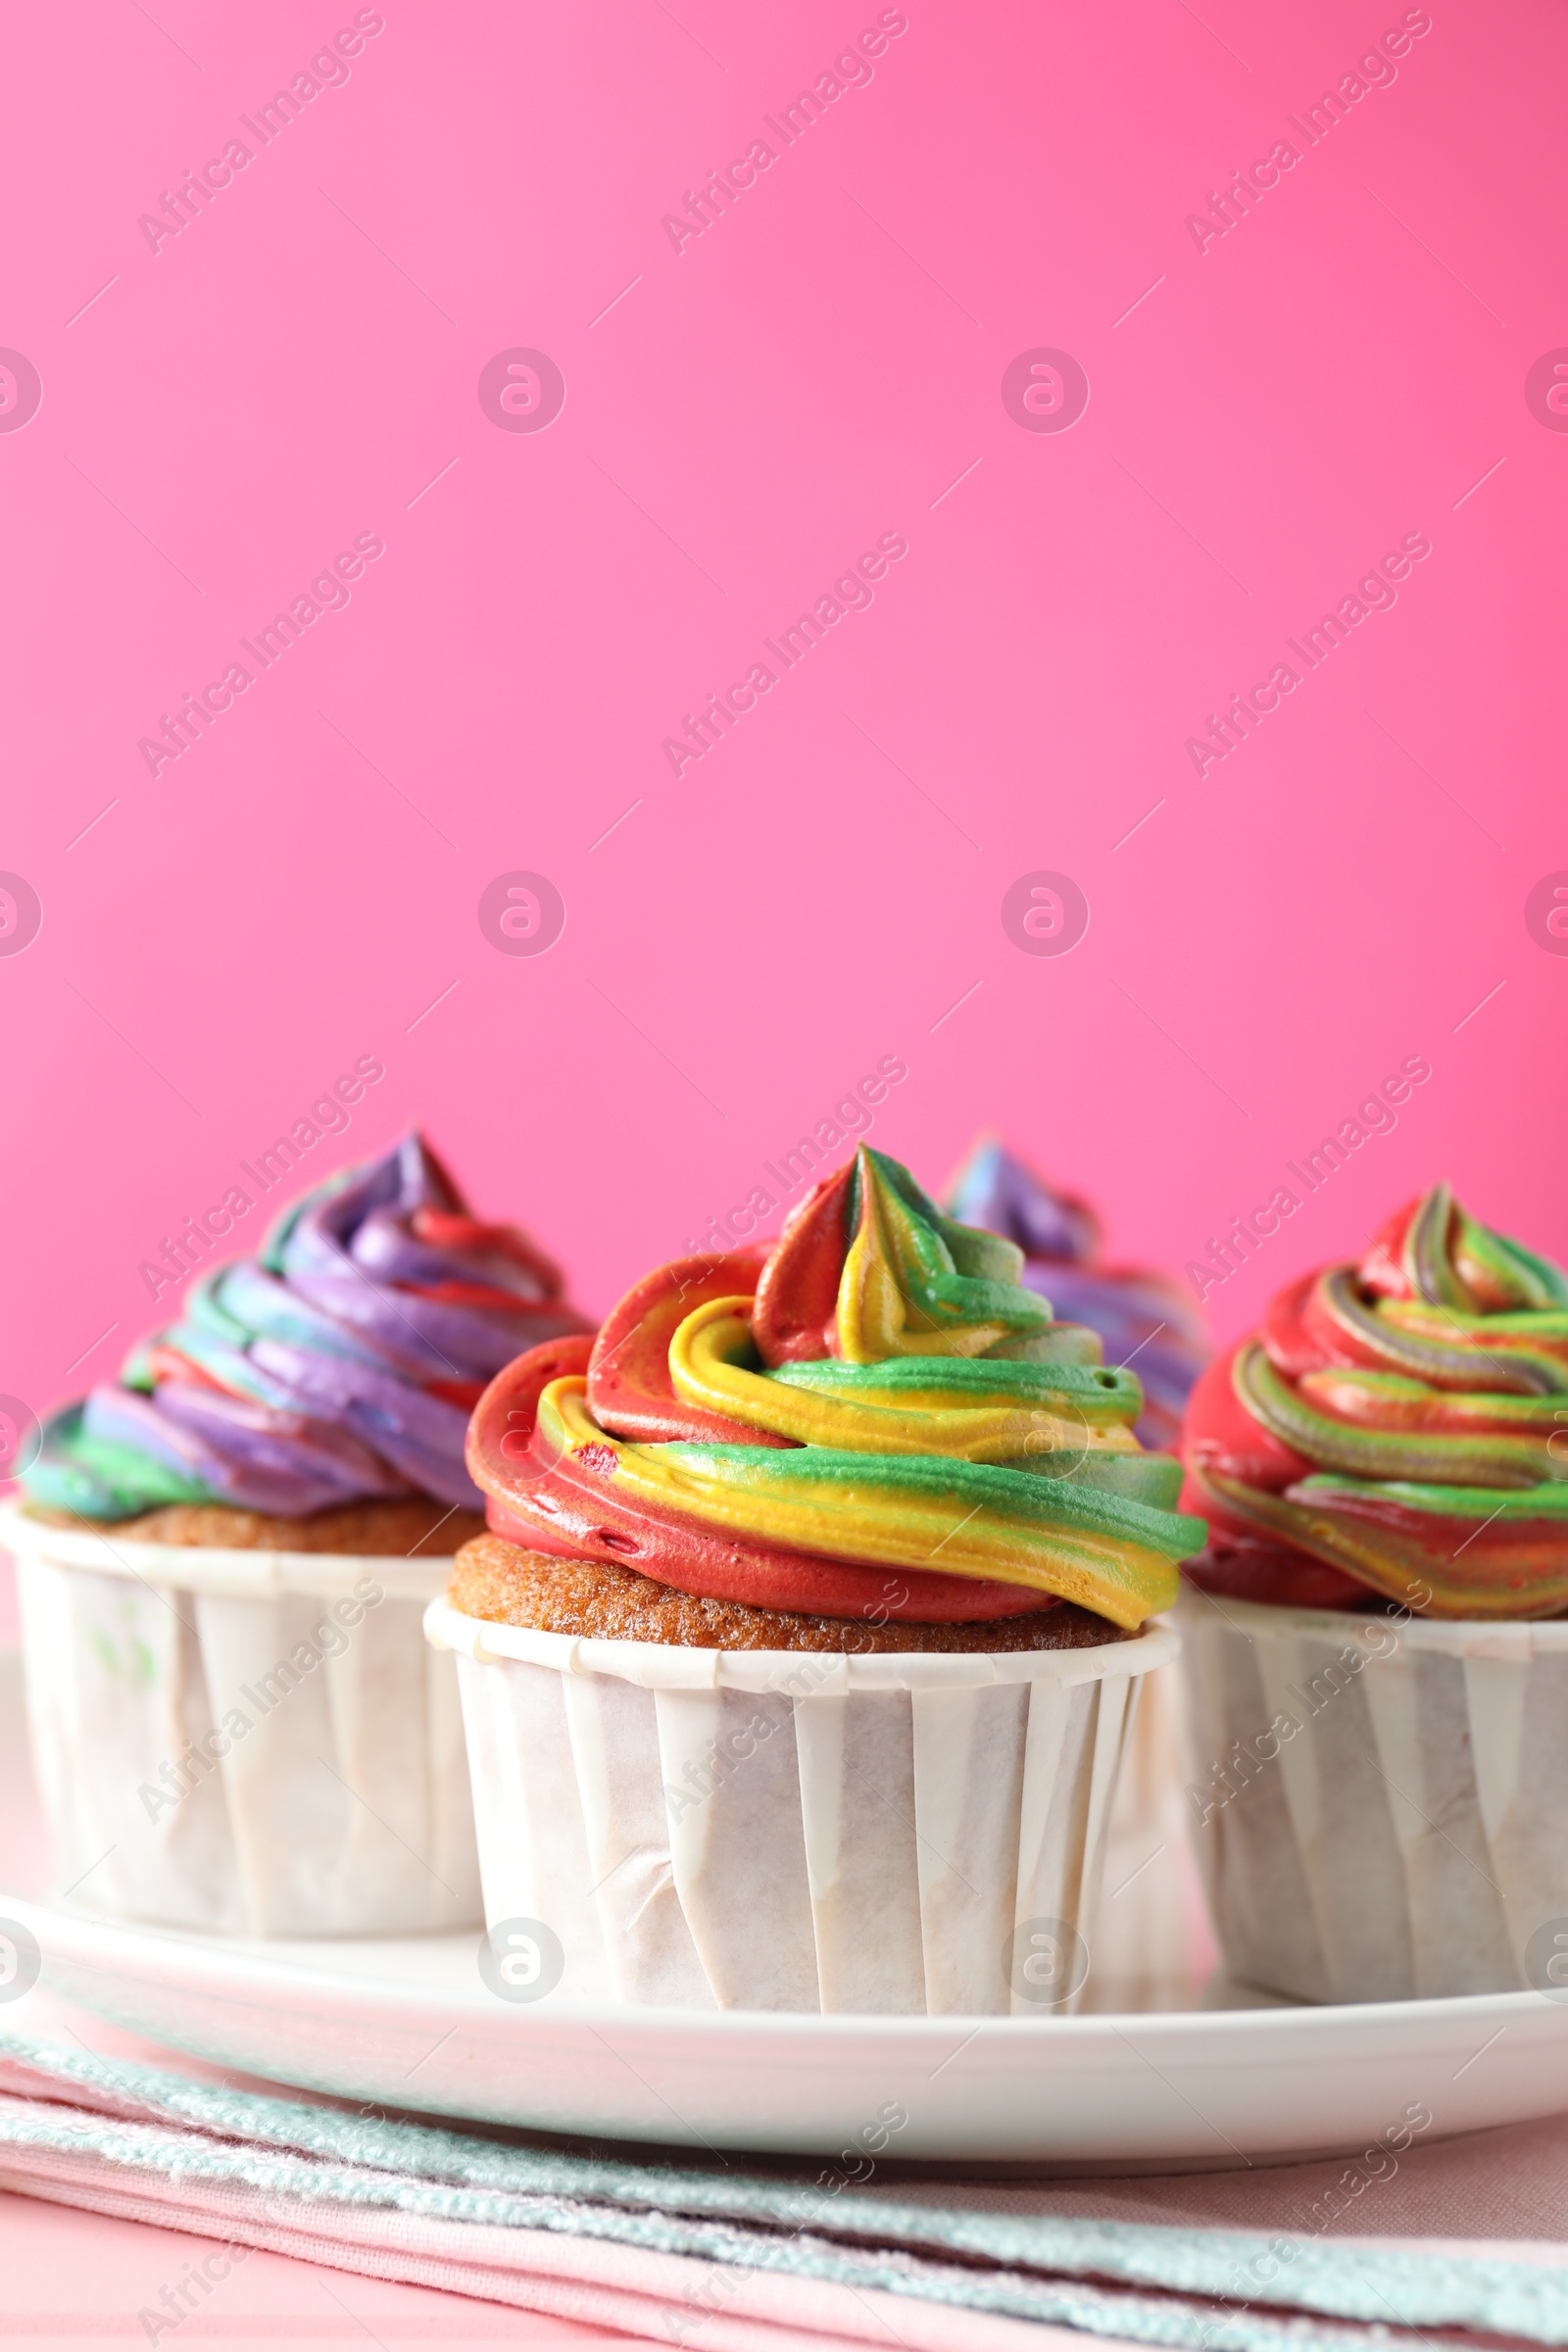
[(235, 1968)]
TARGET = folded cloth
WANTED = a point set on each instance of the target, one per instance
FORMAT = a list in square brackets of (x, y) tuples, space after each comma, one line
[(1261, 2260)]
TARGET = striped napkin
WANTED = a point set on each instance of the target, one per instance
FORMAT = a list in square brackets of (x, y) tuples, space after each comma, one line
[(1466, 2235)]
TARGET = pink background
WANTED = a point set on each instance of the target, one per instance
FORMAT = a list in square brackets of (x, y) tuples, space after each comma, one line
[(822, 366)]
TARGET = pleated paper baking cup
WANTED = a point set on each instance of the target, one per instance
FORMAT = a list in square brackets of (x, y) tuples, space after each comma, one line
[(921, 1831), (244, 1743), (1379, 1805)]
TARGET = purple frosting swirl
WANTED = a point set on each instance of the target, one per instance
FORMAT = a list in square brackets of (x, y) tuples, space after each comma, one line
[(338, 1365)]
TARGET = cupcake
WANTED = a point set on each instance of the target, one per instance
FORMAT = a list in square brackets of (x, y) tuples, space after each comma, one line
[(1377, 1666), (1141, 1316), (225, 1555), (799, 1657)]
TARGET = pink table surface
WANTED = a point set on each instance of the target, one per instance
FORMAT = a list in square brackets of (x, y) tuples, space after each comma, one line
[(69, 2278)]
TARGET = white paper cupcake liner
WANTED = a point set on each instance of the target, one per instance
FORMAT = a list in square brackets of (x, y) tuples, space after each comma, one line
[(1153, 1948), (1377, 1806), (921, 1831), (244, 1743)]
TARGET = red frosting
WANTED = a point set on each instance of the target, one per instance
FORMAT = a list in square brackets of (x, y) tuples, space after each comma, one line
[(629, 1387), (1222, 1435), (1382, 1270), (794, 1317)]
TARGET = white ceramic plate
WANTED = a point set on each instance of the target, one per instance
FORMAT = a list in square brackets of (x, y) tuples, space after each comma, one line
[(410, 2023)]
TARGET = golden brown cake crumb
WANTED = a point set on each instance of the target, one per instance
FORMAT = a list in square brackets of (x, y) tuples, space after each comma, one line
[(411, 1525), (595, 1600)]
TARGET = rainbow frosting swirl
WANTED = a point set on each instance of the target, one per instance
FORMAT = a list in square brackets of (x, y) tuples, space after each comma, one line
[(879, 1393), (1400, 1424), (1137, 1313), (337, 1366)]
